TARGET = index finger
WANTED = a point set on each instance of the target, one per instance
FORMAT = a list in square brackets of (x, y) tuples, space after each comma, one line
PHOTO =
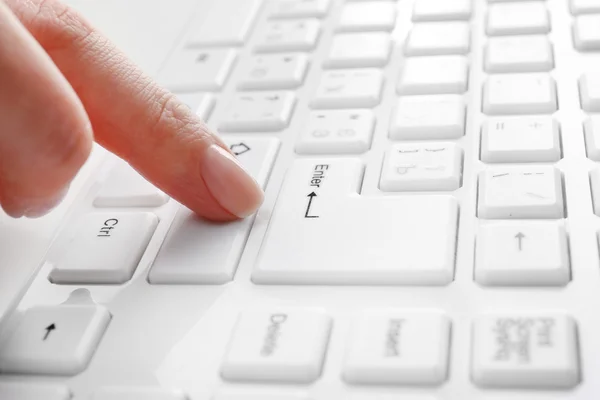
[(136, 119)]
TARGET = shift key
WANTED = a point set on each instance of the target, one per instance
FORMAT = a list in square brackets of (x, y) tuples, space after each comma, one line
[(197, 251)]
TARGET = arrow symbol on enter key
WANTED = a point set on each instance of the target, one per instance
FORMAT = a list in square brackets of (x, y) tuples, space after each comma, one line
[(49, 330), (310, 196), (519, 236)]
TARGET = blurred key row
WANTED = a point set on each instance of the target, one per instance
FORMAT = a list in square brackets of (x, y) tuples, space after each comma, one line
[(418, 117), (504, 139), (423, 117), (362, 88), (432, 42), (536, 349)]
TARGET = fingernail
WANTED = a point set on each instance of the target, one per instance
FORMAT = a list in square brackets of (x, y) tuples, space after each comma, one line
[(41, 207), (229, 183)]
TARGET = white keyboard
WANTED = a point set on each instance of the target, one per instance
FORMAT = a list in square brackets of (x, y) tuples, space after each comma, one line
[(430, 227)]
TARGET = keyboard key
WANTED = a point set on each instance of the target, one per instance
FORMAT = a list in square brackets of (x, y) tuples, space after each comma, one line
[(584, 6), (592, 137), (519, 18), (367, 16), (196, 251), (433, 166), (286, 36), (274, 72), (530, 53), (129, 393), (200, 103), (435, 10), (428, 117), (319, 201), (589, 90), (532, 253), (36, 391), (198, 70), (595, 186), (533, 350), (337, 132), (399, 347), (300, 9), (586, 32), (278, 346), (521, 193), (359, 50), (519, 94), (520, 139), (54, 340), (106, 248), (359, 88), (125, 187), (227, 23), (259, 112), (438, 38), (434, 75)]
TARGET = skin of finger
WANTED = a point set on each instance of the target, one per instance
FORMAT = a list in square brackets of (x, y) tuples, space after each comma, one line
[(45, 135), (131, 115)]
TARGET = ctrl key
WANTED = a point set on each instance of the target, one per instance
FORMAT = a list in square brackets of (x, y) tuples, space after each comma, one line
[(280, 346), (106, 248), (536, 350)]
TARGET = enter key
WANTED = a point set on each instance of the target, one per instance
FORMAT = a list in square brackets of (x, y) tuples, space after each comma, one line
[(322, 231)]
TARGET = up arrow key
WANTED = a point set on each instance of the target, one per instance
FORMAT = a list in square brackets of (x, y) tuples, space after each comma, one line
[(54, 340), (49, 330), (519, 236), (522, 253)]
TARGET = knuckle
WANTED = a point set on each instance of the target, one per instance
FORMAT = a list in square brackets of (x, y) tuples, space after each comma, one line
[(166, 110), (173, 120)]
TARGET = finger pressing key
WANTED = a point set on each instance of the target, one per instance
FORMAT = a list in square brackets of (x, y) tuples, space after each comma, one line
[(138, 120)]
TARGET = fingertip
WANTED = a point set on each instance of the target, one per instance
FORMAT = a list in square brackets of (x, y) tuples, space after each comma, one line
[(33, 208), (229, 183)]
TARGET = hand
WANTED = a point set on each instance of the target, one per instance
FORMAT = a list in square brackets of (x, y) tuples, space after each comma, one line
[(62, 85)]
